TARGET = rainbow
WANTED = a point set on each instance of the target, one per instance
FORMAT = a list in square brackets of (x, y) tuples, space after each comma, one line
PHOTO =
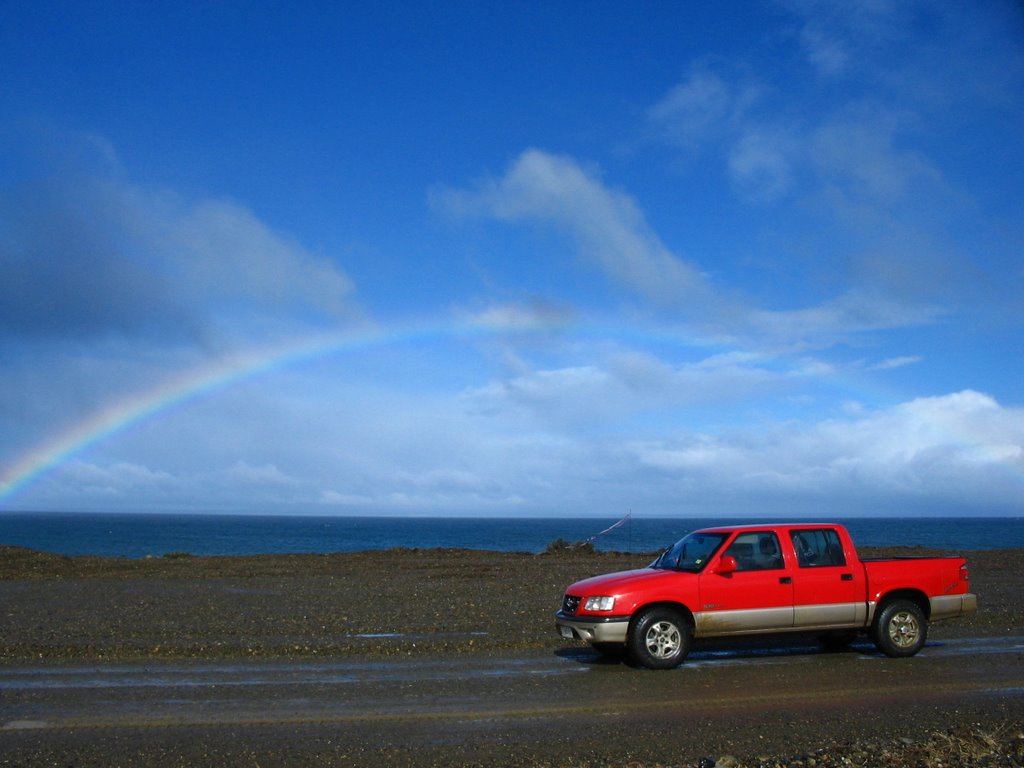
[(232, 369), (205, 380)]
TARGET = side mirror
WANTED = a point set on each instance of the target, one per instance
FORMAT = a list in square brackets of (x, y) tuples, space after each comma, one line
[(726, 565)]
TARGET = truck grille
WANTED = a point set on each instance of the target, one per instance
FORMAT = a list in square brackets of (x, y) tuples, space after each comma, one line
[(570, 604)]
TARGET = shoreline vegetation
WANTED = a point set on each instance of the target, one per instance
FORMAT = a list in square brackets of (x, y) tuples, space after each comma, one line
[(407, 602)]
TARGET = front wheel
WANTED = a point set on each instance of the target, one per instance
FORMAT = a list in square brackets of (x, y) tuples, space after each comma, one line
[(900, 629), (659, 638)]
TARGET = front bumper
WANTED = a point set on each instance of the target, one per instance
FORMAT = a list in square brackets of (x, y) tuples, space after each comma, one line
[(592, 629)]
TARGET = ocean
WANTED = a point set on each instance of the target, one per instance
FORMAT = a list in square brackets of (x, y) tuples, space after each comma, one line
[(141, 535)]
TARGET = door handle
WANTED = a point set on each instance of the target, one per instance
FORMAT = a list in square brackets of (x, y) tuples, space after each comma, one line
[(847, 577), (785, 579)]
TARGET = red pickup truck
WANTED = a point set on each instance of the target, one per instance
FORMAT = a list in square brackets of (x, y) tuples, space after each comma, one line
[(764, 579)]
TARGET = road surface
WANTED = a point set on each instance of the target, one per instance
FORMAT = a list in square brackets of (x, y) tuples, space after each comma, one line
[(499, 710)]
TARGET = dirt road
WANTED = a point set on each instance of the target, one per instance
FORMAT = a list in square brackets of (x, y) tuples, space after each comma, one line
[(567, 707)]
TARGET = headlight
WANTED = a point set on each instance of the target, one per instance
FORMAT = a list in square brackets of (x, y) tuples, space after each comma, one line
[(599, 603)]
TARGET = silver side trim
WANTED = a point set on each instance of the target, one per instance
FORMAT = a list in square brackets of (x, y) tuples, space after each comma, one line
[(952, 606), (768, 620), (832, 615), (746, 622)]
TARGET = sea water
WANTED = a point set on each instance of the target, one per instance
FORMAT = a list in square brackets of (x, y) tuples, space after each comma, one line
[(139, 535)]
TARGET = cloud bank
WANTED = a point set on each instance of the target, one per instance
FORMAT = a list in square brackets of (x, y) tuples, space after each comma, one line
[(87, 254)]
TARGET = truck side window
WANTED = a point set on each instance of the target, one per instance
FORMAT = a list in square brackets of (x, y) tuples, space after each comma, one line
[(756, 551), (818, 548)]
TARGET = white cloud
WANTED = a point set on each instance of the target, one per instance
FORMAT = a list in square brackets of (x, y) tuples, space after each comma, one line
[(226, 253), (594, 438), (692, 111), (962, 448), (622, 385), (608, 227), (512, 317), (88, 254), (760, 164), (706, 109), (854, 312), (612, 234), (116, 481), (825, 51), (839, 37), (857, 156), (892, 363), (245, 473), (701, 452), (860, 192), (565, 398)]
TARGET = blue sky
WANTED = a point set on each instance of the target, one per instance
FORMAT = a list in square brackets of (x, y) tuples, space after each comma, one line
[(757, 258)]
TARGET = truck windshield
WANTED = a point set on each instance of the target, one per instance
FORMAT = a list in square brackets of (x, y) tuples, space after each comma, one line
[(691, 553)]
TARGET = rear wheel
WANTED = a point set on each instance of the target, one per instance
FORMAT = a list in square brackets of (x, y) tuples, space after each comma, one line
[(900, 629), (659, 638)]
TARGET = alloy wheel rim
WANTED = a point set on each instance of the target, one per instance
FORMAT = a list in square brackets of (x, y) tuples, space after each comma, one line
[(904, 629), (663, 639)]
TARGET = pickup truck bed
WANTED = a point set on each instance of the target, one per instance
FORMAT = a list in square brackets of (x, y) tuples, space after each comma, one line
[(764, 579)]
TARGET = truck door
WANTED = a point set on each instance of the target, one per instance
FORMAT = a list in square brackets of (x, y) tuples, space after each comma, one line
[(757, 596), (827, 591)]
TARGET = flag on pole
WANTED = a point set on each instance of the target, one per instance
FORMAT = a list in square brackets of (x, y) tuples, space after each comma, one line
[(611, 528)]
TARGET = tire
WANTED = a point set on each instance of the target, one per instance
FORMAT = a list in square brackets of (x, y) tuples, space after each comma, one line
[(900, 629), (659, 638)]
